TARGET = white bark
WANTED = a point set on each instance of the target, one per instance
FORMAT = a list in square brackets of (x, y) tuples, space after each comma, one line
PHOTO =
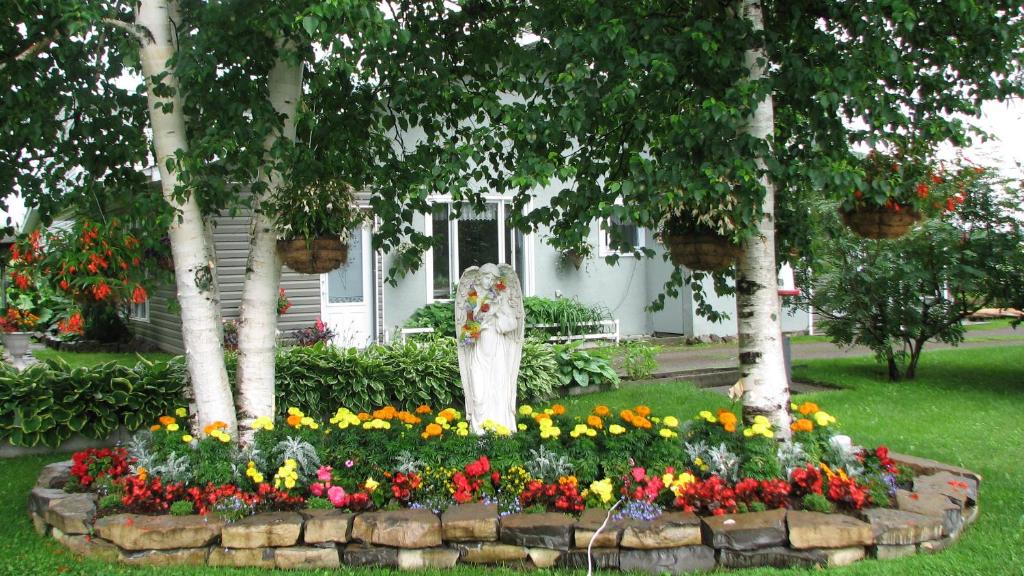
[(257, 326), (762, 366), (194, 261)]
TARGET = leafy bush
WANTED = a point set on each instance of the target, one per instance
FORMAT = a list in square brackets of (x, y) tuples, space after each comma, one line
[(568, 315), (319, 332), (639, 359), (49, 401), (182, 508), (579, 368)]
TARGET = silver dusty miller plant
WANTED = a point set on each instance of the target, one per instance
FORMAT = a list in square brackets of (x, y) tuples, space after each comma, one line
[(547, 465), (407, 463), (301, 451)]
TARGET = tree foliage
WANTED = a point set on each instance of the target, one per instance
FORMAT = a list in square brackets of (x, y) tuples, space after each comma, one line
[(894, 296)]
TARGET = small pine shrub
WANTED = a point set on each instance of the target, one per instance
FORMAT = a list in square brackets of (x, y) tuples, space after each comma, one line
[(109, 501), (182, 508), (817, 503), (319, 504)]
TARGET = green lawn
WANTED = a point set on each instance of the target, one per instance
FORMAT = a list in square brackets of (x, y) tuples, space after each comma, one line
[(76, 359), (965, 409)]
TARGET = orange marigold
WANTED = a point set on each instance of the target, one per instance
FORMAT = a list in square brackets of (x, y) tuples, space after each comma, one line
[(385, 413), (558, 409), (809, 408), (641, 422), (602, 411), (627, 415), (728, 420), (167, 420), (432, 429), (154, 427), (423, 409), (642, 410), (363, 416), (802, 425), (294, 420), (216, 425), (408, 417), (595, 422), (449, 414)]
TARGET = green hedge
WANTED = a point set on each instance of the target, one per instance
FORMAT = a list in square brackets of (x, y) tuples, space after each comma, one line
[(568, 315), (49, 401)]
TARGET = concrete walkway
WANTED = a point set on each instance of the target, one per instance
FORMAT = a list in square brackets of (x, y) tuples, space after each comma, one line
[(714, 365)]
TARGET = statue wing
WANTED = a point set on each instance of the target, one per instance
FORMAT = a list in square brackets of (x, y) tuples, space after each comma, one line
[(468, 279), (515, 300)]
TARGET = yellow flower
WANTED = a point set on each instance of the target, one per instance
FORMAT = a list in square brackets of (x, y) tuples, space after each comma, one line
[(441, 421), (616, 429), (707, 415), (289, 483), (549, 431), (172, 427), (603, 489), (462, 432), (293, 411), (521, 427), (371, 484), (181, 412), (824, 418), (667, 433), (187, 438), (257, 478), (263, 423), (525, 410), (670, 421)]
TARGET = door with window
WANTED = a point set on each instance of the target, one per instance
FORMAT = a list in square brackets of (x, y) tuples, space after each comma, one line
[(346, 295)]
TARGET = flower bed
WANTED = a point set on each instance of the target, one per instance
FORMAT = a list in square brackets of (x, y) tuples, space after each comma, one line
[(416, 489)]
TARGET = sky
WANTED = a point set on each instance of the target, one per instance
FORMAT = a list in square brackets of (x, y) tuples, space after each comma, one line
[(1005, 150)]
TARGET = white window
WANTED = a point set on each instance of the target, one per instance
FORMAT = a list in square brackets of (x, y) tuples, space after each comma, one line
[(140, 311), (629, 236), (474, 238)]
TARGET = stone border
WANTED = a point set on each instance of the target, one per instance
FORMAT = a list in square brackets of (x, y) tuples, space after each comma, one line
[(928, 519)]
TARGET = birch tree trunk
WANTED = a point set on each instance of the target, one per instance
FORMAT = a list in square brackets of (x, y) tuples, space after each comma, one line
[(257, 325), (762, 366), (194, 261)]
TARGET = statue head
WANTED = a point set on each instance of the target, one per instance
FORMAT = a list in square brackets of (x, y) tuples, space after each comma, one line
[(489, 274)]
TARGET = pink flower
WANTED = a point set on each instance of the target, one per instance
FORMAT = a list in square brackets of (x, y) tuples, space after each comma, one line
[(324, 474), (337, 496), (639, 474), (316, 489), (349, 463)]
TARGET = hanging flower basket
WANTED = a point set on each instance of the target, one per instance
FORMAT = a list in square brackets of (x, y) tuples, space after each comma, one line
[(574, 257), (317, 256), (705, 252), (879, 223)]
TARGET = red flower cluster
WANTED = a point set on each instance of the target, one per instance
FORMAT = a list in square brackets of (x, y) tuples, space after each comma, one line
[(639, 486), (879, 459), (467, 483), (842, 490), (90, 465), (807, 480), (152, 495), (563, 496), (403, 485), (72, 325), (771, 493), (710, 496)]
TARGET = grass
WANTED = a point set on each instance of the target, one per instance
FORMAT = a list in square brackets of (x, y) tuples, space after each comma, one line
[(964, 409), (80, 359)]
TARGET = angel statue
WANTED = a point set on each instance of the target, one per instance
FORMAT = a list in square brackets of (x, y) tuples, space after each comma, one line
[(489, 322)]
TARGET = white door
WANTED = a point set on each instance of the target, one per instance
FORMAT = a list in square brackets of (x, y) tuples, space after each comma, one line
[(346, 295)]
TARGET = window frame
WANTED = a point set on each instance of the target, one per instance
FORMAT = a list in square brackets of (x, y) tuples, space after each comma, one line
[(605, 249)]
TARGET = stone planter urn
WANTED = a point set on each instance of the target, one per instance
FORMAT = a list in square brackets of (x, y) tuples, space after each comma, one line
[(17, 343)]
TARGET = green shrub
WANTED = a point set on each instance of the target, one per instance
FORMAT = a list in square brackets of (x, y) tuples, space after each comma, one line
[(182, 508), (112, 501), (440, 316), (314, 503), (580, 368), (49, 401), (817, 503), (639, 359), (568, 315)]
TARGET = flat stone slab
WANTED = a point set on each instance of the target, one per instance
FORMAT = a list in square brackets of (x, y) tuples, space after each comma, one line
[(443, 558), (491, 553), (589, 523), (899, 527), (545, 530), (603, 559), (72, 515), (366, 555), (745, 531), (136, 532), (474, 522), (889, 552), (86, 545), (932, 504), (817, 530), (960, 489), (180, 557), (306, 557), (782, 557), (670, 530), (242, 557), (925, 467), (671, 560), (267, 530), (398, 528), (39, 499), (543, 557), (327, 526), (55, 475)]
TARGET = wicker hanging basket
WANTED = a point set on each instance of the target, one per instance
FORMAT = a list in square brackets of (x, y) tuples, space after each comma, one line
[(705, 252), (318, 256), (574, 257), (880, 223)]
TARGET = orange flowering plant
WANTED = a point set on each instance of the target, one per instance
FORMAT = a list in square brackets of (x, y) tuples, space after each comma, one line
[(904, 182)]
